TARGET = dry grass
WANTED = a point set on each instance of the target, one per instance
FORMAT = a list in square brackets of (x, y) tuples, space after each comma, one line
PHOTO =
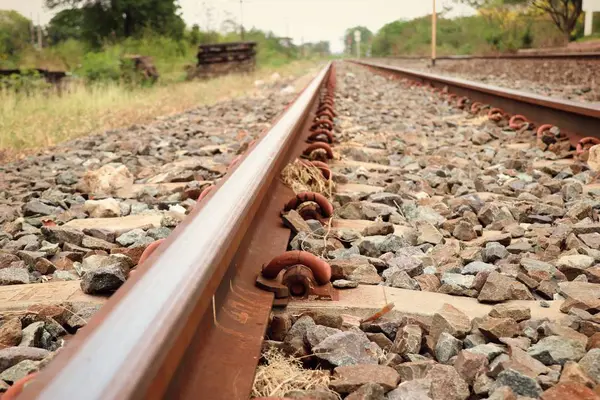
[(280, 374), (306, 178), (42, 120)]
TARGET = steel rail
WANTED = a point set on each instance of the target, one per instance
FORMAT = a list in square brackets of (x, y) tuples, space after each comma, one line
[(576, 119), (532, 56), (158, 336)]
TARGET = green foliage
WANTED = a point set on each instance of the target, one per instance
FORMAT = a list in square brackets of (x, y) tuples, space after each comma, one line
[(100, 20), (194, 35), (465, 35), (100, 66), (14, 34), (27, 82), (66, 24), (89, 41), (365, 38)]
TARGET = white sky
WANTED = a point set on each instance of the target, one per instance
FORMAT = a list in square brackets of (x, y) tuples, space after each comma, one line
[(308, 20)]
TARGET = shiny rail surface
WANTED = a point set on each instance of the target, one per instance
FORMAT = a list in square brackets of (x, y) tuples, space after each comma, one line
[(575, 119), (190, 322)]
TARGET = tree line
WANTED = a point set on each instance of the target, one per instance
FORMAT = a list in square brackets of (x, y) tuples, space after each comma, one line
[(498, 26)]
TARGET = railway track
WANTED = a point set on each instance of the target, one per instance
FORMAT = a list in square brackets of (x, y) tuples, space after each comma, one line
[(567, 76), (437, 196)]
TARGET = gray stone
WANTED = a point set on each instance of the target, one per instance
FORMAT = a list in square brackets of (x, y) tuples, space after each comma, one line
[(131, 237), (458, 281), (159, 233), (36, 207), (408, 340), (412, 265), (520, 383), (365, 274), (81, 317), (103, 280), (416, 389), (13, 276), (364, 210), (344, 284), (447, 347), (490, 350), (13, 355), (104, 208), (493, 252), (578, 261), (520, 247), (378, 229), (19, 371), (295, 339), (32, 334), (374, 246), (473, 339), (93, 243), (476, 267), (531, 265), (557, 350), (400, 279), (349, 378), (59, 275), (62, 235), (590, 364), (319, 333), (348, 348)]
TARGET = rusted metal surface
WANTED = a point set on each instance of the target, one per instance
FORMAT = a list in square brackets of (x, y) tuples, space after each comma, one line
[(520, 56), (191, 320), (575, 119)]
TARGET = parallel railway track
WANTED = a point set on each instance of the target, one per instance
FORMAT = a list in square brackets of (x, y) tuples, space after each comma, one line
[(173, 336)]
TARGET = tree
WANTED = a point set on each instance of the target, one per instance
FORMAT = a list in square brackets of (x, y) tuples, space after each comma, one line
[(103, 19), (66, 24), (564, 13), (195, 35), (365, 37), (14, 33)]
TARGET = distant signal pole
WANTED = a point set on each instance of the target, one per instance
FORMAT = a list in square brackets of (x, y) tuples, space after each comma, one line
[(433, 35), (242, 19)]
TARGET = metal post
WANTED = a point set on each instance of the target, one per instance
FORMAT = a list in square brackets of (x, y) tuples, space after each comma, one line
[(32, 31), (433, 34), (589, 22), (39, 33), (357, 41), (242, 19)]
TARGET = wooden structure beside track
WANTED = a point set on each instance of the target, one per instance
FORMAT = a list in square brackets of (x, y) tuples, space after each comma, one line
[(223, 58), (52, 77)]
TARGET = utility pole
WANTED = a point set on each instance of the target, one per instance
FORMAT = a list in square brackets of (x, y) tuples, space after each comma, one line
[(357, 41), (242, 19), (39, 32), (433, 34), (32, 31)]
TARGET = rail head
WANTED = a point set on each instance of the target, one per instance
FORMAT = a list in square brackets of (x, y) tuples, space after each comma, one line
[(124, 347)]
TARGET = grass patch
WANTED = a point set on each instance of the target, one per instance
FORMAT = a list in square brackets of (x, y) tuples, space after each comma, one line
[(45, 119)]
